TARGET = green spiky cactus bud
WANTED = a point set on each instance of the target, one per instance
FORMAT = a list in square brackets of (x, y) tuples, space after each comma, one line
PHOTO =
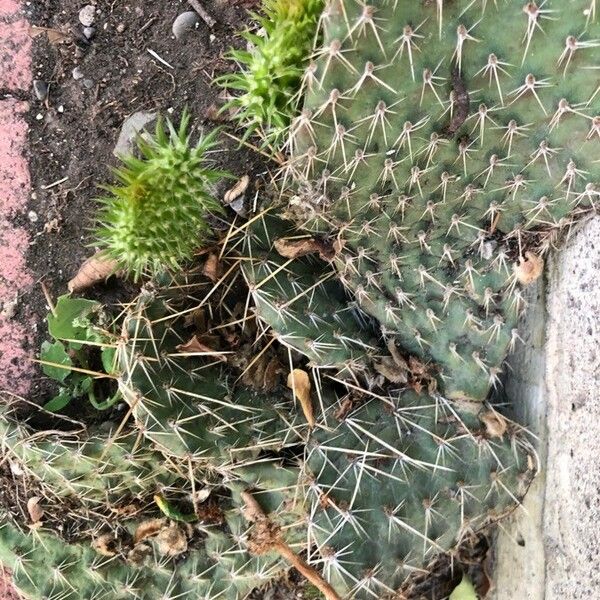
[(156, 215), (271, 71), (446, 145)]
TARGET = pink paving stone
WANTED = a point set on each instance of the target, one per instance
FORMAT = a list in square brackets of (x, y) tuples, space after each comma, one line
[(14, 276), (8, 8), (14, 171), (15, 55), (16, 368)]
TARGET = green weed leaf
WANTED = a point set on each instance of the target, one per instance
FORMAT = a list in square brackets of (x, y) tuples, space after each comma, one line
[(464, 591), (60, 401), (55, 353)]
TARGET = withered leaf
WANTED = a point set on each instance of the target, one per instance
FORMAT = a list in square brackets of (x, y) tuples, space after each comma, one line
[(495, 423), (237, 190), (388, 367), (195, 346), (212, 267), (299, 381), (55, 36), (292, 248), (398, 358), (344, 409), (95, 269), (35, 510), (148, 529)]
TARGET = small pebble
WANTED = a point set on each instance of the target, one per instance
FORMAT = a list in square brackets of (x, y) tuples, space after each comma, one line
[(61, 109), (87, 15), (88, 83), (39, 117), (120, 27), (89, 32), (77, 74), (184, 23), (32, 216), (40, 89)]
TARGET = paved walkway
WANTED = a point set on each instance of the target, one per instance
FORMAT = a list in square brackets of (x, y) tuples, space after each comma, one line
[(15, 188)]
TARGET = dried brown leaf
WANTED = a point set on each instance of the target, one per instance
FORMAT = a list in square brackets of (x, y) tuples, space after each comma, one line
[(212, 267), (271, 374), (398, 358), (105, 544), (237, 190), (147, 529), (55, 36), (391, 370), (95, 269), (299, 381), (195, 346), (35, 510), (344, 409), (529, 269), (196, 319), (494, 422), (292, 248)]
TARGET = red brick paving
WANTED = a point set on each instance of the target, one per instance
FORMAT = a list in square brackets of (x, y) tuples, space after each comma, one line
[(15, 278), (15, 75)]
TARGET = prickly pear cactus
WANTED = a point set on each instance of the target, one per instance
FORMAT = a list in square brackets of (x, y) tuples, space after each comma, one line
[(190, 406), (446, 145), (44, 567), (97, 470), (396, 483), (302, 301)]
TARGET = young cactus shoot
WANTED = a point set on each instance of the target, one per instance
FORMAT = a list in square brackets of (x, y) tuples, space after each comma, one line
[(155, 216)]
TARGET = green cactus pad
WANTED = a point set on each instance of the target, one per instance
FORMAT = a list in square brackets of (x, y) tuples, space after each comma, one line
[(45, 568), (395, 484), (97, 470), (190, 406), (447, 145), (302, 301)]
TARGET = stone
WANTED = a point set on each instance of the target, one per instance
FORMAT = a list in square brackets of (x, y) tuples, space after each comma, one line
[(87, 15), (132, 126), (184, 23), (40, 89), (77, 74), (89, 32)]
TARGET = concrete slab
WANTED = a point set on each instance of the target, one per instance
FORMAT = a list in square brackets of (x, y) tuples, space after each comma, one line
[(552, 551)]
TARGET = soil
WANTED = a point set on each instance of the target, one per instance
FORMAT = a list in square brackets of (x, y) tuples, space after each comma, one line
[(73, 132)]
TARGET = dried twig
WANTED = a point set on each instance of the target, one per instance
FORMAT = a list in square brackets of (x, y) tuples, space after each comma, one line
[(195, 4), (253, 512)]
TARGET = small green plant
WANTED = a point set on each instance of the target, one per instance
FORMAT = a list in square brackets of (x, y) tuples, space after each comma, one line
[(156, 215), (270, 73), (464, 590), (80, 335)]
